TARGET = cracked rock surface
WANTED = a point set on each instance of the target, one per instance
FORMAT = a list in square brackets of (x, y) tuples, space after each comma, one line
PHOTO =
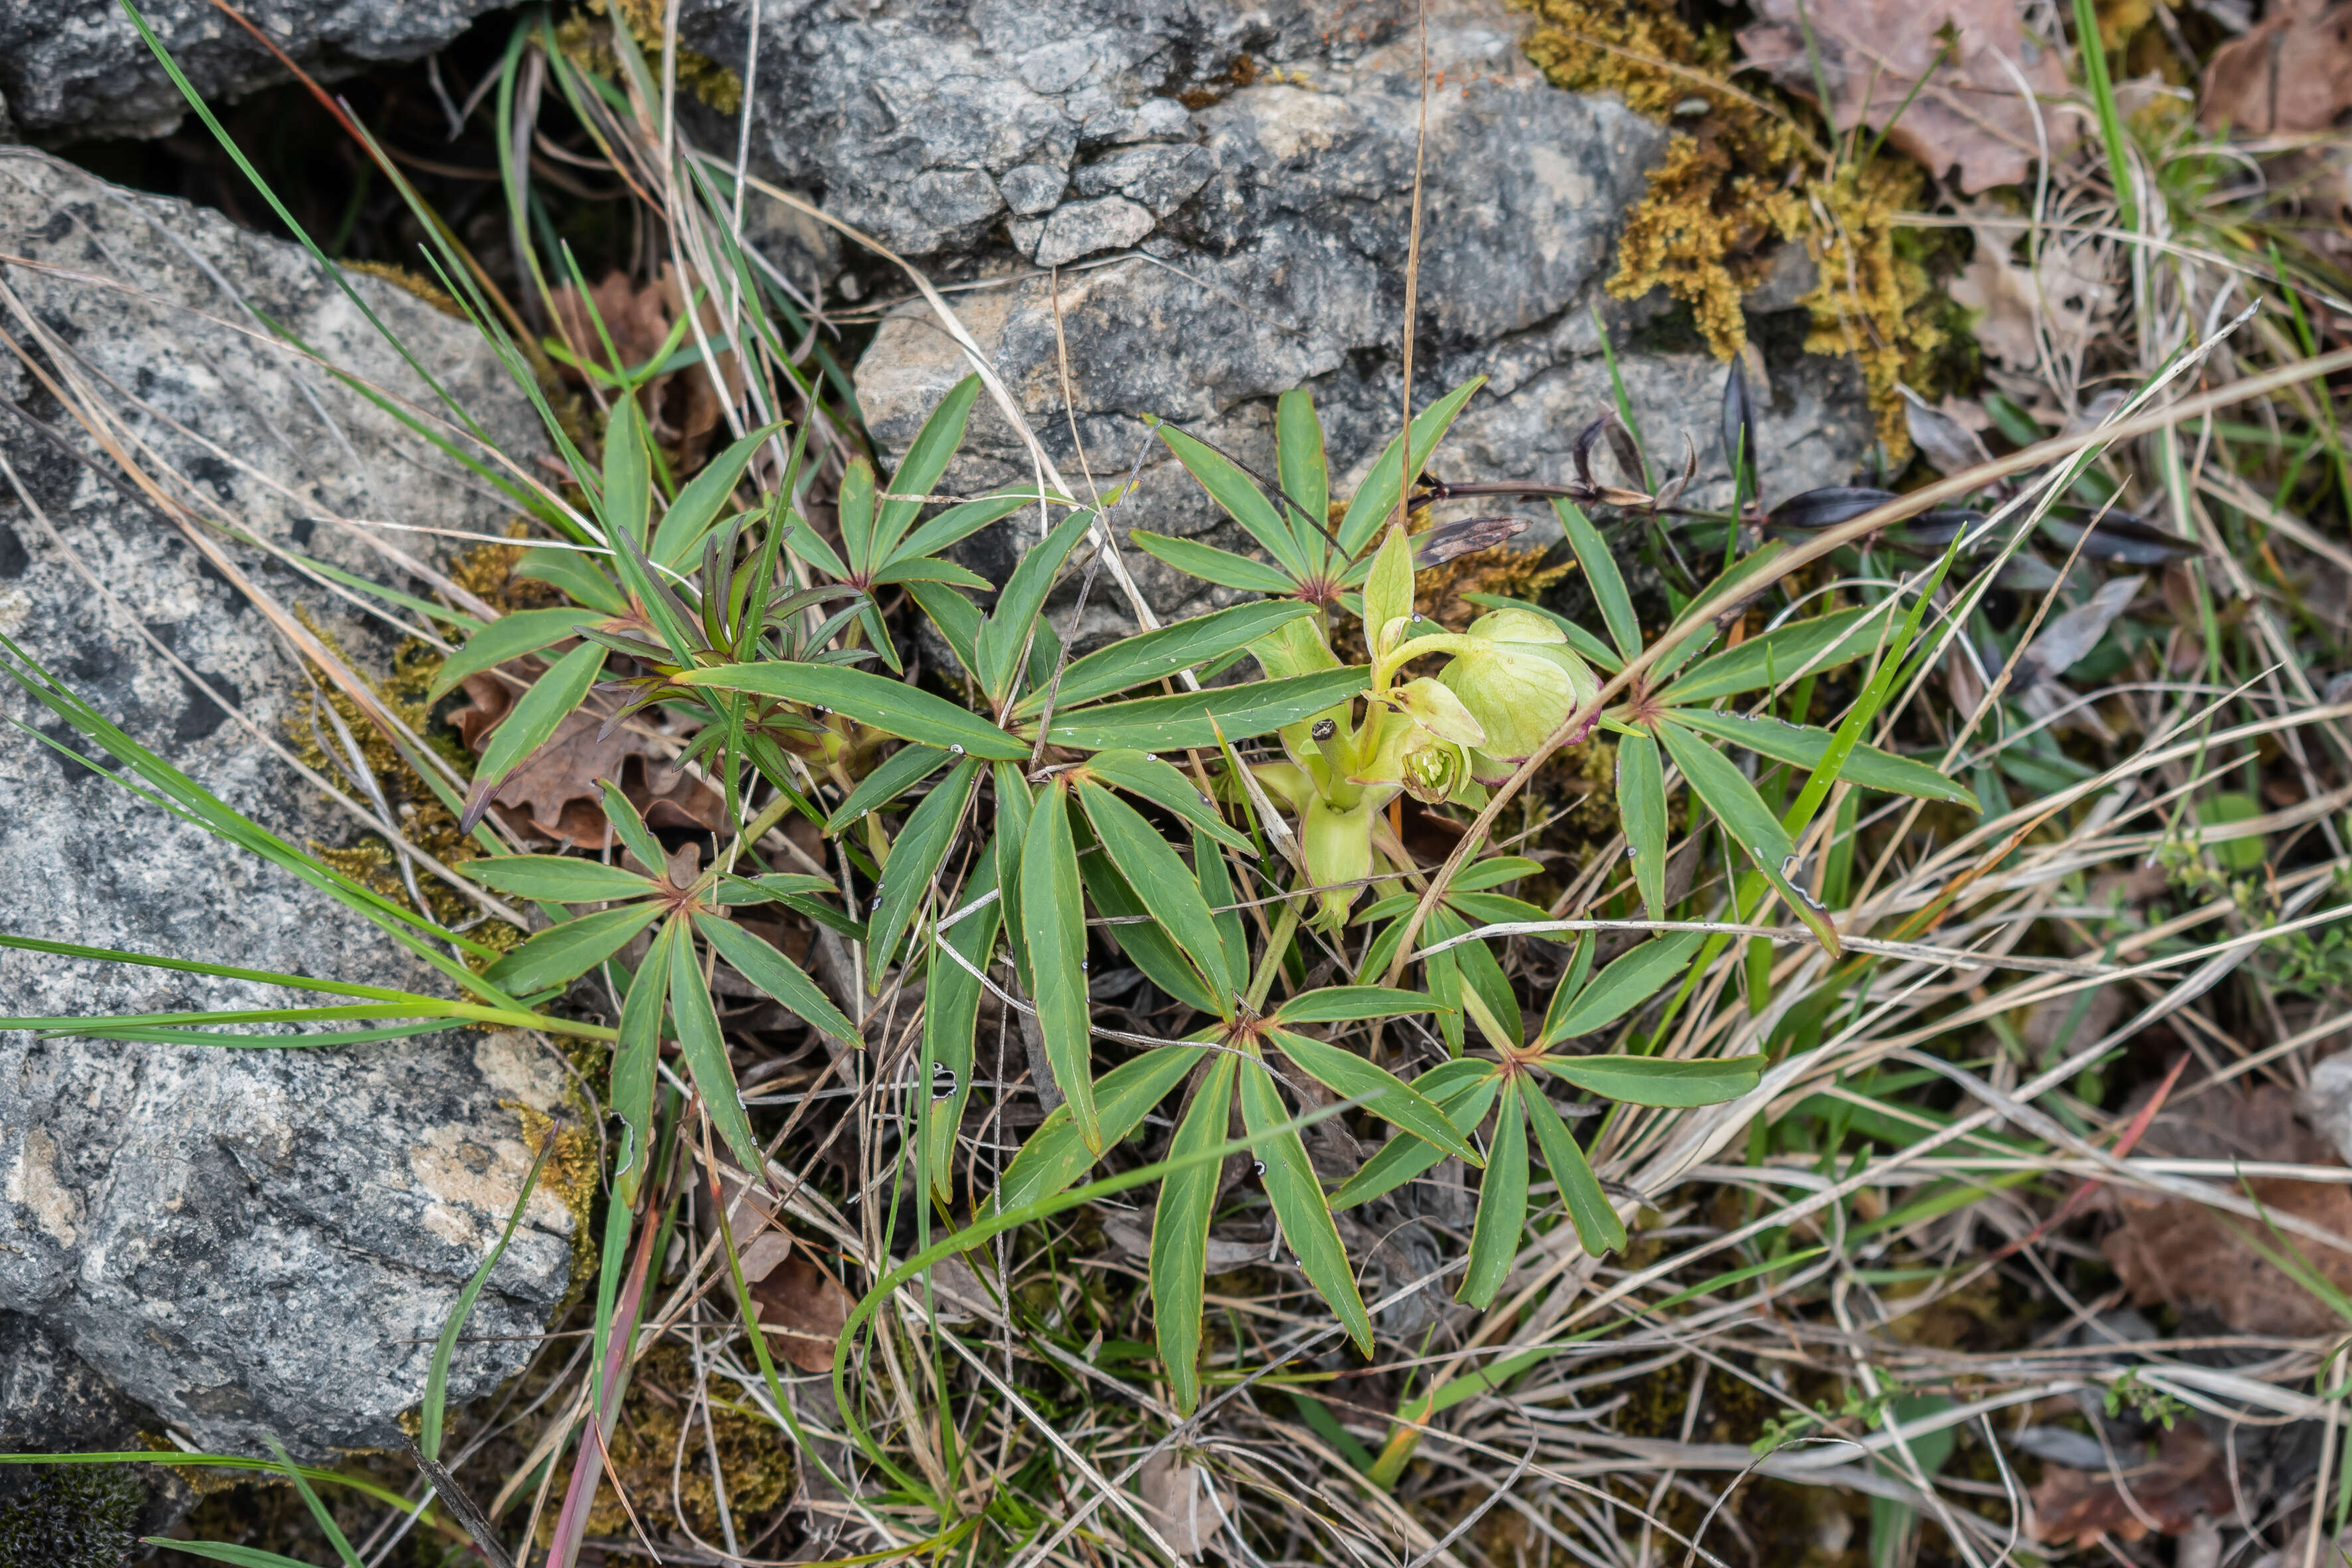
[(1227, 189), (243, 1243)]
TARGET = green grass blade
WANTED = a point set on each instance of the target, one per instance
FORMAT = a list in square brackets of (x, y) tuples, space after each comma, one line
[(326, 1522), (429, 1414), (219, 971), (1179, 1234)]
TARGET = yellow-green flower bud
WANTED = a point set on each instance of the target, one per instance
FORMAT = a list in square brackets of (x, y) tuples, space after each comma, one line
[(1338, 847)]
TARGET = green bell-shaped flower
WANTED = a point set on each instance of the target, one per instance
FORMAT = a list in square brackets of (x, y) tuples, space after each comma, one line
[(1338, 847), (1516, 674)]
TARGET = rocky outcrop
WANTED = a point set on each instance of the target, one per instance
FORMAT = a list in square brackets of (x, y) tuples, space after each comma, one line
[(75, 68), (243, 1242), (1226, 190)]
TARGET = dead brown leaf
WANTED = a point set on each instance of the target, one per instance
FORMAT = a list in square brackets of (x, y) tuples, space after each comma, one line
[(1968, 115), (554, 792), (2063, 294), (2186, 1480), (683, 408), (803, 1308), (2175, 1251), (2293, 72), (1187, 1504)]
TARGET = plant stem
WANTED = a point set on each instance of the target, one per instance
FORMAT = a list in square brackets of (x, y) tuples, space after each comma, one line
[(1275, 945)]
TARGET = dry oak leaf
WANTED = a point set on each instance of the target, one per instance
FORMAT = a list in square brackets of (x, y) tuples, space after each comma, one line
[(1969, 114), (2186, 1480), (2180, 1252), (683, 406), (554, 791), (2290, 74)]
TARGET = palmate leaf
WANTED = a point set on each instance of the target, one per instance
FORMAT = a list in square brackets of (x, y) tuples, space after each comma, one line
[(1726, 793), (1384, 1094), (1057, 939), (1180, 1232), (963, 520), (890, 706), (1165, 884), (1805, 745), (1152, 655), (1464, 1096), (1631, 980), (1588, 1209), (572, 571), (1502, 1203), (1346, 1003), (1298, 1204), (704, 1050)]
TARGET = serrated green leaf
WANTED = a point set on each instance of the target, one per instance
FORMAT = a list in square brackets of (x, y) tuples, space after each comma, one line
[(915, 855), (1632, 979), (1239, 495), (1180, 1233), (1502, 1203), (1006, 633), (1384, 1094), (531, 723), (1778, 655), (1191, 719), (566, 951), (778, 977), (1159, 875), (1376, 501), (560, 878), (1153, 656), (1659, 1081), (901, 771), (1805, 745), (509, 637), (704, 1051), (890, 706), (1057, 939), (1211, 565), (1055, 1155), (1588, 1209), (1726, 793), (1343, 1004), (1601, 572), (1642, 805), (1298, 1204)]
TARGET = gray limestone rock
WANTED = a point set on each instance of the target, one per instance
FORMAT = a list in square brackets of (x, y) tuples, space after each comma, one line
[(72, 68), (245, 1242), (1283, 265)]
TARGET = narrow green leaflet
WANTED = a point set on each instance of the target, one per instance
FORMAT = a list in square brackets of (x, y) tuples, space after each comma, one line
[(1344, 1003), (1139, 935), (704, 1050), (1588, 1209), (1502, 1203), (957, 617), (1601, 572), (636, 1056), (1780, 656), (1387, 587), (1305, 476), (698, 504), (1806, 746), (1164, 784), (952, 1016), (927, 458), (915, 855), (1191, 719), (1006, 631), (778, 977), (854, 508), (1376, 501), (961, 521), (1180, 1232), (1165, 885), (1211, 565), (572, 571), (1656, 1081), (508, 636), (1057, 939), (558, 879), (1571, 987), (1055, 1155), (1151, 656), (627, 502), (630, 827), (1642, 805), (1217, 887), (1239, 495), (1402, 1158), (1384, 1094), (890, 706), (566, 951), (531, 723), (901, 771), (1632, 979), (1728, 794), (1298, 1205)]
